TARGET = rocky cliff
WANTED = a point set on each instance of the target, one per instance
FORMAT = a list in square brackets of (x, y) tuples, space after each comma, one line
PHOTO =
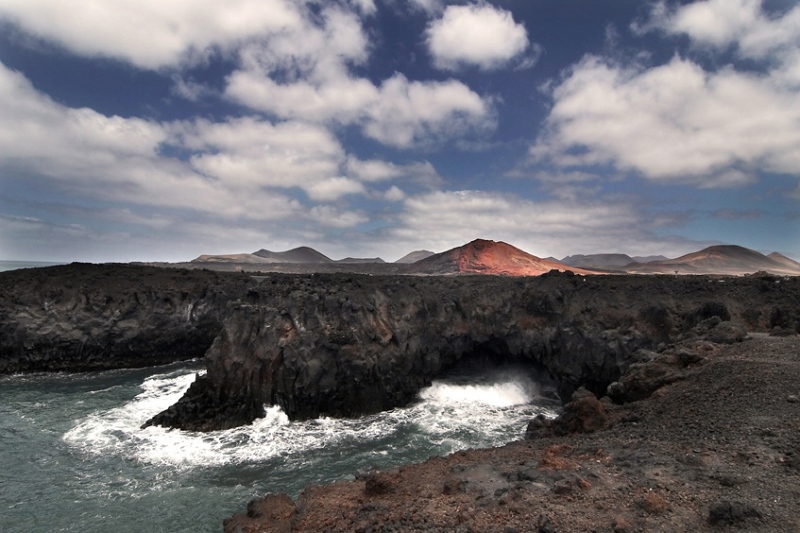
[(344, 345), (87, 317), (349, 345)]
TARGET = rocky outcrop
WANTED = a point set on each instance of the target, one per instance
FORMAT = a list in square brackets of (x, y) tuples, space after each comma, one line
[(702, 455), (344, 345), (350, 345), (87, 317)]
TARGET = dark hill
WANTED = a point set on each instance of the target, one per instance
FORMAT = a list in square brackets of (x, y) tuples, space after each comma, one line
[(301, 255)]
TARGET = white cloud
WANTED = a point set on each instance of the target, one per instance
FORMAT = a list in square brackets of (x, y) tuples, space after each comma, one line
[(331, 216), (150, 34), (555, 227), (725, 23), (411, 112), (234, 173), (394, 194), (479, 35), (333, 188), (305, 73), (366, 7), (237, 171), (189, 89), (673, 122), (375, 170), (257, 153)]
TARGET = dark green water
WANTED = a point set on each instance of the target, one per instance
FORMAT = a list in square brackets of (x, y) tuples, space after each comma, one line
[(72, 456)]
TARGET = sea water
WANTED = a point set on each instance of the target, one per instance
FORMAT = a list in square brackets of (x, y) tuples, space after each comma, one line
[(73, 456), (16, 265)]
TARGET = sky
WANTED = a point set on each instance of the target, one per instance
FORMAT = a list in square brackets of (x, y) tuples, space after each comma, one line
[(160, 131)]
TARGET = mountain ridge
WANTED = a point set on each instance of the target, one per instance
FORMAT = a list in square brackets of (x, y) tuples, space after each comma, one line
[(482, 256), (719, 259)]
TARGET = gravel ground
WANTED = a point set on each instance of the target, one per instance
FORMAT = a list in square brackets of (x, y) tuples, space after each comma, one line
[(718, 449)]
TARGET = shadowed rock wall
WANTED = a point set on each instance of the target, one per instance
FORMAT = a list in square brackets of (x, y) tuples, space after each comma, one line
[(350, 345), (89, 317), (344, 345)]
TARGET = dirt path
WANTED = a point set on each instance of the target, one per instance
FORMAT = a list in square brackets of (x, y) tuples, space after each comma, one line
[(717, 450)]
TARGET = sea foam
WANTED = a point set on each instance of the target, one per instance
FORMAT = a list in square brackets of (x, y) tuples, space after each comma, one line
[(449, 415)]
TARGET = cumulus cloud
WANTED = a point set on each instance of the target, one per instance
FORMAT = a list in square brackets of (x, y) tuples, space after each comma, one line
[(674, 122), (721, 24), (410, 112), (395, 194), (253, 153), (399, 112), (679, 122), (305, 73), (375, 170), (332, 216), (475, 35), (236, 171), (150, 34)]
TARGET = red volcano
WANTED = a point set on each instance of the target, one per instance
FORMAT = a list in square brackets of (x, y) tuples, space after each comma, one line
[(489, 257)]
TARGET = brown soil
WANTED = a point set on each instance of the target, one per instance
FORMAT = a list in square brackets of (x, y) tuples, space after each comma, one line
[(717, 450)]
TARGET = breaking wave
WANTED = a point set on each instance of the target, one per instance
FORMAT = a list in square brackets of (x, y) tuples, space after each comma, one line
[(449, 415)]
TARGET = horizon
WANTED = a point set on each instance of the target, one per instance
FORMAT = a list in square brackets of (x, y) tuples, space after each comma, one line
[(367, 128), (401, 256)]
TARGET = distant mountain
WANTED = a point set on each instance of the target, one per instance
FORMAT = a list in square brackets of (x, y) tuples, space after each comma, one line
[(360, 260), (725, 259), (605, 261), (608, 261), (785, 261), (248, 259), (301, 255), (415, 256), (649, 258), (488, 257)]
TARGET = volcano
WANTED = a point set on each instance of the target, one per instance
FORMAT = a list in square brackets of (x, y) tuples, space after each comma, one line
[(489, 257)]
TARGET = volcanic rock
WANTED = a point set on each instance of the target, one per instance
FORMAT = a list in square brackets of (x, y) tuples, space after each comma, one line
[(351, 345), (86, 317), (711, 452)]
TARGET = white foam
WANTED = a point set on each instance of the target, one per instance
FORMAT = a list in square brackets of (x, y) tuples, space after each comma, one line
[(504, 394), (448, 415)]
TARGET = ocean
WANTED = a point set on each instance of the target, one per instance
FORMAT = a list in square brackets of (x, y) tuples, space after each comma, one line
[(15, 265), (74, 457)]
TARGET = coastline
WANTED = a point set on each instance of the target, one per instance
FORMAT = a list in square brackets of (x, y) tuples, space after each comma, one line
[(717, 448), (115, 316)]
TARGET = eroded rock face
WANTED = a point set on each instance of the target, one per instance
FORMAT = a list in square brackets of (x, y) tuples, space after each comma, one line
[(350, 345), (344, 345), (88, 317)]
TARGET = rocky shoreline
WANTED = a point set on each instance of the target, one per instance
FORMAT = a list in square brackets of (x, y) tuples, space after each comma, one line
[(353, 345), (716, 449), (673, 378)]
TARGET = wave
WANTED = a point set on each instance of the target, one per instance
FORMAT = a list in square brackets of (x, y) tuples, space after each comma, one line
[(449, 415)]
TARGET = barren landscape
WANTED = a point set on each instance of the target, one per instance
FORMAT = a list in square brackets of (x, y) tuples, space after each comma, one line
[(681, 392), (717, 449)]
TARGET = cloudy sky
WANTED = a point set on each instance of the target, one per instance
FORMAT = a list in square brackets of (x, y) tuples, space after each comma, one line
[(153, 130)]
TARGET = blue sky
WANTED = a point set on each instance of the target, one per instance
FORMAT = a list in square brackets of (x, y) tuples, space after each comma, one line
[(152, 130)]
